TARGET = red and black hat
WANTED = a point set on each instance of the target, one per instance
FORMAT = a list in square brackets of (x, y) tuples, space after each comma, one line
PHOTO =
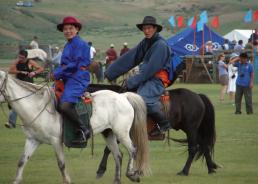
[(69, 20)]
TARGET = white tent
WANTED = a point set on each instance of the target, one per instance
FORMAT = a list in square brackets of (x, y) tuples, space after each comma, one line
[(239, 34)]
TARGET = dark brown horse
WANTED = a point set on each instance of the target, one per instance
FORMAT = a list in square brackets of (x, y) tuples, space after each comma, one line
[(96, 71), (192, 113)]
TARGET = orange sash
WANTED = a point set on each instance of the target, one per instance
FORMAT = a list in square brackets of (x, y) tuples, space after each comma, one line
[(163, 76)]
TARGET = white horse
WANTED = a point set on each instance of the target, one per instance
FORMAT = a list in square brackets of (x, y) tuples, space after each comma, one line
[(116, 116)]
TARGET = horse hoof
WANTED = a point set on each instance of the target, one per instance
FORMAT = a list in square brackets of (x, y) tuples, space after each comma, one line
[(218, 166), (100, 173), (182, 173), (134, 177), (17, 182), (117, 182), (212, 171)]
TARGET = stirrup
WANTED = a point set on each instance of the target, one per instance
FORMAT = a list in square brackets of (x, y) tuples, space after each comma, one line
[(155, 132), (81, 138)]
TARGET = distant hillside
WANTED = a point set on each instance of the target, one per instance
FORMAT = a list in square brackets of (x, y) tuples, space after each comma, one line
[(107, 21)]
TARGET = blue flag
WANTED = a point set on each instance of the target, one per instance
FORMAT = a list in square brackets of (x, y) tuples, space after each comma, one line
[(190, 21), (200, 25), (172, 22), (204, 17), (248, 16)]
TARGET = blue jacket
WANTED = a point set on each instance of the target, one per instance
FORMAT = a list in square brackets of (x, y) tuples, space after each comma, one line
[(75, 59), (244, 73), (153, 54)]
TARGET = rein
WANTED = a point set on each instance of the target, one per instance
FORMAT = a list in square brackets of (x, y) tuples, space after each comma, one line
[(2, 88)]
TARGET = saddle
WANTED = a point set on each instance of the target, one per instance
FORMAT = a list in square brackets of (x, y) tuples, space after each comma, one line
[(84, 110)]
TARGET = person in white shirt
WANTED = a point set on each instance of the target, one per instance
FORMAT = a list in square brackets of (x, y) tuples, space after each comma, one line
[(34, 43), (92, 51), (226, 45), (232, 76)]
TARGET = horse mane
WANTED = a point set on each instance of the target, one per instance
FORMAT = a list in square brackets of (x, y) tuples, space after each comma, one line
[(30, 86)]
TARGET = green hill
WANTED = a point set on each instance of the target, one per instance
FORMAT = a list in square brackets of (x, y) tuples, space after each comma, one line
[(107, 21)]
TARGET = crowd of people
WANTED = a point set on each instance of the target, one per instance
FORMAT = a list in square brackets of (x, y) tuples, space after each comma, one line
[(237, 75)]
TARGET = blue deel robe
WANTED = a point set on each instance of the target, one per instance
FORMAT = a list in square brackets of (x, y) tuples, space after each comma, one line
[(75, 56), (153, 55)]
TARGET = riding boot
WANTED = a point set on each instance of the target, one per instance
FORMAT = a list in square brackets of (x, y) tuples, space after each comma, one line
[(163, 124), (84, 133)]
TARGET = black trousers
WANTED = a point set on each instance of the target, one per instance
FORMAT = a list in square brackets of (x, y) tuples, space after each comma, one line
[(247, 92)]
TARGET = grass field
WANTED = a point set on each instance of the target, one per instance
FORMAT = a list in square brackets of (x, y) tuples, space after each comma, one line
[(236, 149)]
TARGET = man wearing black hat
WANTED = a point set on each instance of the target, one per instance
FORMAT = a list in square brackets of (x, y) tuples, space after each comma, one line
[(154, 54), (244, 83)]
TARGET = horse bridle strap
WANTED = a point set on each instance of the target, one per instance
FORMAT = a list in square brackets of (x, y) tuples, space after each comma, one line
[(17, 99)]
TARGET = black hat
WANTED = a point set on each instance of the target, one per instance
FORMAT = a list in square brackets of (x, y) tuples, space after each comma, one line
[(243, 55), (149, 20)]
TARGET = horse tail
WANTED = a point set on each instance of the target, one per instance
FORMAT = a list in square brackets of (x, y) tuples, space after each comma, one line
[(139, 133), (207, 132)]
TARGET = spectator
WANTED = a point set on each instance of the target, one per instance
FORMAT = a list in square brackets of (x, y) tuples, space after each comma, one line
[(254, 36), (124, 49), (225, 46), (24, 69), (111, 55), (56, 60), (255, 61), (249, 49), (92, 51), (244, 83), (239, 47), (223, 76), (34, 43), (232, 76), (207, 49), (232, 45)]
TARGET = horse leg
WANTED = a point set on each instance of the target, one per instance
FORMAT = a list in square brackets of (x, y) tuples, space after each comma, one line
[(58, 147), (29, 148), (103, 164), (130, 172), (212, 166), (113, 147), (192, 150)]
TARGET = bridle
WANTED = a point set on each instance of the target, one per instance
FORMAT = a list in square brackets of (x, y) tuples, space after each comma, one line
[(3, 85), (17, 99), (2, 91)]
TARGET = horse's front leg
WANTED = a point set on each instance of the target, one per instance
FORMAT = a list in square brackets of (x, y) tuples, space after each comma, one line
[(29, 148), (58, 147)]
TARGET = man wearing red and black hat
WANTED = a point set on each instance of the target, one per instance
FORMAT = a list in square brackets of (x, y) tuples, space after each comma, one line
[(73, 71), (154, 54)]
